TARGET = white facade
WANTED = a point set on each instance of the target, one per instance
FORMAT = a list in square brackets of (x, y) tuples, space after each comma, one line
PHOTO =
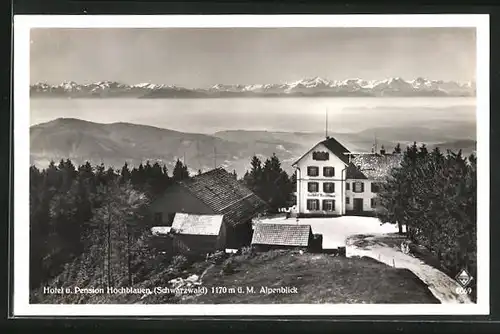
[(366, 195), (348, 195), (305, 191)]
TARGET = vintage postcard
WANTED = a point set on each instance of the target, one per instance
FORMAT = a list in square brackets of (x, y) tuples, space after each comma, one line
[(251, 165)]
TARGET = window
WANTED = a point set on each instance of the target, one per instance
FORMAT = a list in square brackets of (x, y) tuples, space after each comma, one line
[(375, 187), (373, 202), (347, 186), (328, 171), (312, 187), (313, 204), (329, 187), (312, 171), (170, 218), (322, 156), (328, 205), (358, 187), (347, 200), (158, 217)]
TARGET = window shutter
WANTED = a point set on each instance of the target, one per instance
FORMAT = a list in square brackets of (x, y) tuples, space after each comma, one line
[(362, 187)]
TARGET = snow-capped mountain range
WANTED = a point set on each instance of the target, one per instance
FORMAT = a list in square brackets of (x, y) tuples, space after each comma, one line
[(306, 87)]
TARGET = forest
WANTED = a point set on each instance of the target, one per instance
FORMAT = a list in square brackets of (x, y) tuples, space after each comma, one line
[(433, 194), (89, 224)]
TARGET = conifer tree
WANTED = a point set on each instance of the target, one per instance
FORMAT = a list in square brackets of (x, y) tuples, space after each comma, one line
[(125, 175), (434, 195), (180, 171)]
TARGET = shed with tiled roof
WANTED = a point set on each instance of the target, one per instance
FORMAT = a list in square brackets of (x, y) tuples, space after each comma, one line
[(219, 190), (269, 235), (215, 192)]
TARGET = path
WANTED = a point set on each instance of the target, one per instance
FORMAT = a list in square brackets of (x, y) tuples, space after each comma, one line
[(441, 285), (335, 230)]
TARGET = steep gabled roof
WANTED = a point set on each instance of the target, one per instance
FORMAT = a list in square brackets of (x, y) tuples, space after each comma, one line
[(372, 166), (354, 172), (337, 148), (281, 234), (334, 147), (219, 190), (186, 223)]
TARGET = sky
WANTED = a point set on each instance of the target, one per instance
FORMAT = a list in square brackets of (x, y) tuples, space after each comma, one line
[(203, 57)]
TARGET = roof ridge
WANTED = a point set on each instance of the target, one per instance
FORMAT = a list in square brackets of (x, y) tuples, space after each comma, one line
[(334, 146), (286, 224)]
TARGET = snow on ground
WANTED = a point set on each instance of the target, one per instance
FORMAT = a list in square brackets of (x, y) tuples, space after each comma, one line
[(441, 285), (341, 231), (335, 230)]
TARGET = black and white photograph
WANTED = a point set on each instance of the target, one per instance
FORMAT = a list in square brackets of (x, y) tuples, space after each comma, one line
[(233, 165)]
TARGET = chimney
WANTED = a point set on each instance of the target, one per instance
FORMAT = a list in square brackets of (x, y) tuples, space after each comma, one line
[(382, 150)]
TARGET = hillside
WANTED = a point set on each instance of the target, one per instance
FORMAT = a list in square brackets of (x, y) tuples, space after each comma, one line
[(316, 278), (467, 146), (116, 143), (310, 278)]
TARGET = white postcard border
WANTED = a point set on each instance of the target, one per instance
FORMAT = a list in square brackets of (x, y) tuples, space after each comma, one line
[(22, 26)]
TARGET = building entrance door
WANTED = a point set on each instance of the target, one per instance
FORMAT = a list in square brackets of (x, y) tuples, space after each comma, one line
[(358, 205)]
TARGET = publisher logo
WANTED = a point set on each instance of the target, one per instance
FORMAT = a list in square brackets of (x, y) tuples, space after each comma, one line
[(463, 278)]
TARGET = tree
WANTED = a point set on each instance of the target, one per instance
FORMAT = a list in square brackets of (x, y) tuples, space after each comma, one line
[(125, 175), (65, 205), (422, 153), (270, 182), (253, 179), (435, 196), (53, 178), (110, 175), (397, 149), (180, 171), (39, 225), (123, 209), (138, 176), (293, 179)]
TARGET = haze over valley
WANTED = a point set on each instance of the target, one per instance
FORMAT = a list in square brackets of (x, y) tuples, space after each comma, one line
[(227, 132), (215, 97)]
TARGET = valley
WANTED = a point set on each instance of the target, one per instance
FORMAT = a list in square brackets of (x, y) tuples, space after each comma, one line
[(116, 143)]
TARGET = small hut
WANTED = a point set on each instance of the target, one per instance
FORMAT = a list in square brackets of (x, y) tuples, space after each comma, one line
[(269, 236), (198, 234)]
